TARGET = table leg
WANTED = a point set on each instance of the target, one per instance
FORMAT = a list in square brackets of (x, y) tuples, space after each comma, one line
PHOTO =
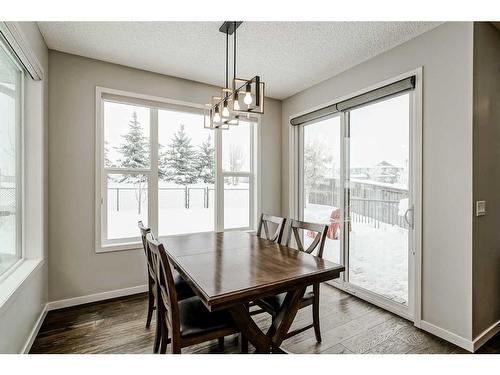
[(246, 324), (265, 343), (284, 319)]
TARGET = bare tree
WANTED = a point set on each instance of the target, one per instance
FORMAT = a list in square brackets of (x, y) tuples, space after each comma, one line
[(317, 164), (236, 161)]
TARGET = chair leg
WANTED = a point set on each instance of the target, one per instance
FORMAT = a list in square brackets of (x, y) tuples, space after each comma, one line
[(158, 331), (151, 307), (176, 349), (220, 341), (243, 344), (164, 337), (315, 309), (243, 338)]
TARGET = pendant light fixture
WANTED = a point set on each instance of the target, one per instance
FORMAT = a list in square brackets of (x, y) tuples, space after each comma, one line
[(242, 101)]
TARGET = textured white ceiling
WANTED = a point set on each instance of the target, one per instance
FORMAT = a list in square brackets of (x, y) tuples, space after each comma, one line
[(289, 56)]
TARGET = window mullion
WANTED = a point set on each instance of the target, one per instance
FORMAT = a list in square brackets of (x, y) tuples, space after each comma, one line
[(153, 176), (219, 183)]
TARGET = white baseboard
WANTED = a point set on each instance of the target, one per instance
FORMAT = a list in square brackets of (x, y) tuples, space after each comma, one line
[(54, 305), (486, 335), (34, 331), (447, 335)]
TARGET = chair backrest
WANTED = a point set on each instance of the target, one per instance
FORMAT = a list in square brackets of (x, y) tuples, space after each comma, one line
[(144, 232), (278, 234), (318, 241), (166, 294)]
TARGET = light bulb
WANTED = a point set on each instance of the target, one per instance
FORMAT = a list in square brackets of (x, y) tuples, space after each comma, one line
[(236, 103), (216, 114), (248, 98), (225, 111)]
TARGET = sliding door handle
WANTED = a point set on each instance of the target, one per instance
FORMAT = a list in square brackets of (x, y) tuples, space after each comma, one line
[(406, 217)]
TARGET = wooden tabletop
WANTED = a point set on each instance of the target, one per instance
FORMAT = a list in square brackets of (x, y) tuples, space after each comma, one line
[(234, 267)]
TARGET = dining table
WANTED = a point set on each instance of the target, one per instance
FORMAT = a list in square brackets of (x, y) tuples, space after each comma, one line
[(228, 270)]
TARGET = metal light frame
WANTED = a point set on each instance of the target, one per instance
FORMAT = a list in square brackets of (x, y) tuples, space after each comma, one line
[(240, 87)]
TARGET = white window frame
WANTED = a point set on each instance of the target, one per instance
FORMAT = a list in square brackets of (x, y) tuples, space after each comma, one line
[(20, 166), (101, 172), (296, 194), (250, 174)]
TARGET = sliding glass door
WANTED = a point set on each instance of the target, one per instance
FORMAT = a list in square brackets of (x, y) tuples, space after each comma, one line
[(378, 201), (355, 176)]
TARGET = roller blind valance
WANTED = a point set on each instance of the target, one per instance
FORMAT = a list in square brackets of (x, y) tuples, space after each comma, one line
[(15, 39), (392, 89)]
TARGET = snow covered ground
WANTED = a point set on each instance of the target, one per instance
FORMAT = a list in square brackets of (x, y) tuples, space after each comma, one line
[(173, 217), (378, 256)]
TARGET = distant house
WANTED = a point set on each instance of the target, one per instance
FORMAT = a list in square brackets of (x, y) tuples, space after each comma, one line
[(386, 172), (381, 172)]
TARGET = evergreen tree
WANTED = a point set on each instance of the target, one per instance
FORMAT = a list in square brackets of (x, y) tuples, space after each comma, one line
[(135, 149), (205, 163), (107, 162), (177, 164), (135, 154)]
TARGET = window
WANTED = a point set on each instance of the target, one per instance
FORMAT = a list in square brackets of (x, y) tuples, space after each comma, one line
[(127, 167), (186, 185), (11, 76), (156, 163), (237, 166), (321, 181)]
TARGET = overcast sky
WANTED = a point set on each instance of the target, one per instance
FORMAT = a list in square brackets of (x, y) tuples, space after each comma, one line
[(378, 132)]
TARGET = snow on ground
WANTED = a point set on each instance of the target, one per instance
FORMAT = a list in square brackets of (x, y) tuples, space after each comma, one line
[(173, 217), (378, 256)]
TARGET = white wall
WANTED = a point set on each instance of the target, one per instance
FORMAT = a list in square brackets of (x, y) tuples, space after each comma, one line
[(75, 269), (22, 310), (446, 56)]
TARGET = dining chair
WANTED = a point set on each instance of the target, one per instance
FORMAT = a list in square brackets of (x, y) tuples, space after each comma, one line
[(273, 304), (276, 237), (264, 224), (188, 321), (182, 287)]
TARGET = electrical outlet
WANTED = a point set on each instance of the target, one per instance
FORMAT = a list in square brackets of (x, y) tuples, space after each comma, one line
[(480, 208)]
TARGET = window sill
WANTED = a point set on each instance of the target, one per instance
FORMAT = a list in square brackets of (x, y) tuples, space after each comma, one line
[(11, 282), (138, 245), (118, 247)]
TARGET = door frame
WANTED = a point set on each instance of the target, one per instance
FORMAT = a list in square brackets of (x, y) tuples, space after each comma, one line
[(414, 310)]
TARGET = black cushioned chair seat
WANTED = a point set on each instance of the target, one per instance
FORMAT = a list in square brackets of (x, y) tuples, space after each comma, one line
[(195, 319), (182, 287), (274, 302)]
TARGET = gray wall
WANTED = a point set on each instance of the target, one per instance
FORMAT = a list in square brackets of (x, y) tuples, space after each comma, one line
[(75, 268), (446, 56), (22, 310), (486, 234)]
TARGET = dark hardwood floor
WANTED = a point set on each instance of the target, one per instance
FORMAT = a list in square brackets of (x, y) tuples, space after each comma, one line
[(348, 325)]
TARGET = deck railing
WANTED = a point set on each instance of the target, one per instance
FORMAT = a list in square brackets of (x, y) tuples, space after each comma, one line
[(370, 202)]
